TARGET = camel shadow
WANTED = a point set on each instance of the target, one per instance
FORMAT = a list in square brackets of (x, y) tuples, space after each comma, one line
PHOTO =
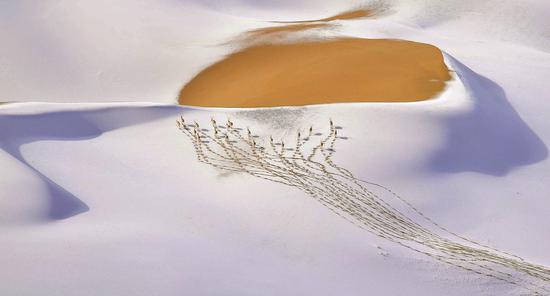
[(18, 130), (492, 138)]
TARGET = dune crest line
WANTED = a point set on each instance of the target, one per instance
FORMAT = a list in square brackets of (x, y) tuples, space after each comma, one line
[(230, 148)]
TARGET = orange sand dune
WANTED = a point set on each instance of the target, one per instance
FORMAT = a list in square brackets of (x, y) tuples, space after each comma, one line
[(347, 15), (320, 72)]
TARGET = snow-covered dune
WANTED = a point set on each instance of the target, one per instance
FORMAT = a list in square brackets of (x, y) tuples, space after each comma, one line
[(82, 51), (109, 198)]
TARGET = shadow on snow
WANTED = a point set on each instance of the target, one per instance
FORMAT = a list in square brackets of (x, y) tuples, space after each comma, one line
[(491, 138), (18, 130)]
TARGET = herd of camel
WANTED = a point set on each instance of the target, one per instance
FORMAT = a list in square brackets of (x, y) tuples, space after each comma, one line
[(307, 165)]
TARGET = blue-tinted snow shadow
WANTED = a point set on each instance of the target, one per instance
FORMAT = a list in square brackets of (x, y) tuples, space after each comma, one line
[(492, 138), (17, 130)]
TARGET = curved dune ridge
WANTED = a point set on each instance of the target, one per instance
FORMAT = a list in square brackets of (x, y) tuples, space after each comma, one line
[(286, 29), (338, 70), (297, 26), (347, 15)]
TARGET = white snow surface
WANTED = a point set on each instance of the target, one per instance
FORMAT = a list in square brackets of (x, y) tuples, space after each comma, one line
[(103, 197)]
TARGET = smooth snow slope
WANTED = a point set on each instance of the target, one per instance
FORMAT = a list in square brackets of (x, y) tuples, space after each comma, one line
[(108, 199)]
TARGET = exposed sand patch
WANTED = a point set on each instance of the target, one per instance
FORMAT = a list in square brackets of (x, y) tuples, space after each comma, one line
[(260, 34), (320, 72), (275, 70), (286, 29), (276, 34), (350, 15), (347, 15)]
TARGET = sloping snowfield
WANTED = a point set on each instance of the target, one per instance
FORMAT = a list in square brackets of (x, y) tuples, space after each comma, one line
[(102, 194)]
